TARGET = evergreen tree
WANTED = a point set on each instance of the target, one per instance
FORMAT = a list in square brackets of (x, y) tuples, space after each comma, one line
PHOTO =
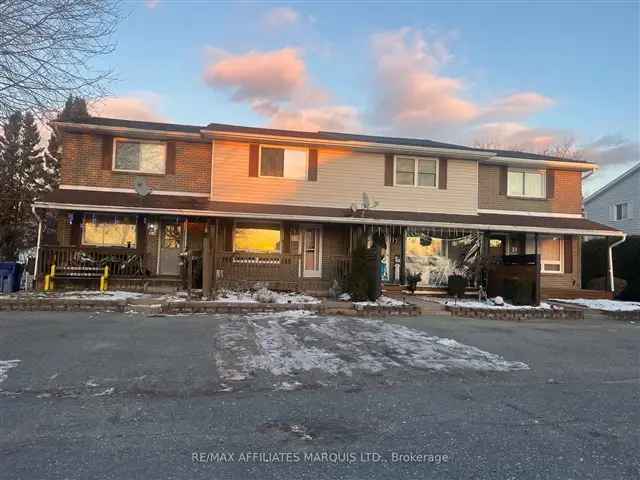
[(75, 108), (24, 176)]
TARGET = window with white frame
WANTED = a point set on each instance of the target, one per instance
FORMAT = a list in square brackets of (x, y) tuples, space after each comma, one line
[(109, 231), (139, 156), (551, 253), (289, 162), (416, 172), (526, 183), (621, 211), (257, 237)]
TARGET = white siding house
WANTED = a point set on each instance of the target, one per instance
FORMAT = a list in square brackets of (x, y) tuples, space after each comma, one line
[(617, 204)]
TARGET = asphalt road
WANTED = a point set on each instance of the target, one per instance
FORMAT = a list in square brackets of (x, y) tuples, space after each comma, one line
[(127, 396)]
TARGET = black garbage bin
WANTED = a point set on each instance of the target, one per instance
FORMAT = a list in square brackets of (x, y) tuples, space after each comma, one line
[(10, 275)]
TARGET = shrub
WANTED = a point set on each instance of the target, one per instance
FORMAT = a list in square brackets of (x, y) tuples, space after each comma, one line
[(519, 291), (412, 281), (358, 280), (456, 285)]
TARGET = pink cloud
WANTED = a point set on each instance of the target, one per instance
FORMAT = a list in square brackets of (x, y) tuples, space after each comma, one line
[(332, 118), (281, 17), (516, 136), (415, 97), (142, 106), (258, 76), (151, 4), (518, 105)]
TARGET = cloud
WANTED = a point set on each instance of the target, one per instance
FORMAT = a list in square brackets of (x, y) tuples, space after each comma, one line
[(332, 118), (518, 105), (276, 85), (415, 97), (258, 76), (138, 106), (517, 136), (151, 4), (614, 154), (281, 17)]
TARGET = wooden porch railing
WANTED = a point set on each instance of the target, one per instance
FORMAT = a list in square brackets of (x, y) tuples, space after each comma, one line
[(339, 267), (122, 262), (236, 268)]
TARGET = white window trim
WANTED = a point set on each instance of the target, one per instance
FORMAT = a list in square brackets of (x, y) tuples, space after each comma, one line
[(531, 170), (256, 222), (615, 211), (306, 163), (84, 243), (415, 171), (134, 140), (560, 262)]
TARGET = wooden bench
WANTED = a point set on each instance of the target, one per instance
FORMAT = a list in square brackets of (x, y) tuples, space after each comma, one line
[(76, 273)]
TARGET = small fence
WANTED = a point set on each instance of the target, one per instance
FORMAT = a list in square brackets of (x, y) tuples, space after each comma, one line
[(121, 262)]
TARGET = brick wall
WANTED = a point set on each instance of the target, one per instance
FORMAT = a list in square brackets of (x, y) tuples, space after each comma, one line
[(567, 197), (82, 165)]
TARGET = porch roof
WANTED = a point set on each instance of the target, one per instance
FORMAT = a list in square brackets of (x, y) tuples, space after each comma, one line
[(118, 202)]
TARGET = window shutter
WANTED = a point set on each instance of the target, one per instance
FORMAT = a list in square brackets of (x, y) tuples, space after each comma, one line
[(312, 174), (551, 183), (388, 169), (107, 152), (568, 254), (171, 158), (254, 159), (503, 173), (442, 174)]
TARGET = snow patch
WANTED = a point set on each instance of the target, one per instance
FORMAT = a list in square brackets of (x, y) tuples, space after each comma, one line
[(5, 366), (382, 301), (492, 305), (607, 305)]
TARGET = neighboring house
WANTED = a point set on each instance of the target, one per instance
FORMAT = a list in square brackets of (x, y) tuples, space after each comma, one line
[(283, 207), (617, 204)]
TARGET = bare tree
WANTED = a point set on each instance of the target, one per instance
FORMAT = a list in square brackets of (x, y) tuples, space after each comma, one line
[(565, 148), (48, 49)]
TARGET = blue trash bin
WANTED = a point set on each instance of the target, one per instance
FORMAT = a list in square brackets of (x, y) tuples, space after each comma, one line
[(10, 275)]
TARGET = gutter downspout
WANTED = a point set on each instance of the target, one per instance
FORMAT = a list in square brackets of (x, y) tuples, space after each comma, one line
[(35, 266), (615, 244)]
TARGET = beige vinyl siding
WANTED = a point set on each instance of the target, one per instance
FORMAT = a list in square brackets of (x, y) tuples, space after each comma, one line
[(343, 176)]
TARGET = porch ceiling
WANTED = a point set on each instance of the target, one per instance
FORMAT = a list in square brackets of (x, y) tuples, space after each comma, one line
[(82, 200)]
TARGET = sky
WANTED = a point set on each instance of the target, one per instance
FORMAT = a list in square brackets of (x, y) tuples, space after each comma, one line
[(508, 74)]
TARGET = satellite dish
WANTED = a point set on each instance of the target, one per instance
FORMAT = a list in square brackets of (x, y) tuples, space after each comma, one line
[(141, 187)]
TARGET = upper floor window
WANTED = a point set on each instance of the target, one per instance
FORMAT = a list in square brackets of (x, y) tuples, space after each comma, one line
[(140, 156), (621, 211), (416, 172), (525, 182), (289, 162)]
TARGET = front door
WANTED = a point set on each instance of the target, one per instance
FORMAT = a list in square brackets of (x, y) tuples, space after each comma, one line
[(312, 251), (171, 239)]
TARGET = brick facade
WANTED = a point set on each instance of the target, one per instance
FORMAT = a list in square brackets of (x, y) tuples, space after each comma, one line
[(567, 193), (82, 165)]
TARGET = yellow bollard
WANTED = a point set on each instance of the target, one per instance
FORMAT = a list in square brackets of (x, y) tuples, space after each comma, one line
[(48, 279), (104, 280)]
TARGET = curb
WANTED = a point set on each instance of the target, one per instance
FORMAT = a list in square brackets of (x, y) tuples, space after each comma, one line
[(516, 314)]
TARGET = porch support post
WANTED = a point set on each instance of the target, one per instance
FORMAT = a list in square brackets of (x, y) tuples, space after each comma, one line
[(37, 261), (207, 261), (403, 256), (538, 270)]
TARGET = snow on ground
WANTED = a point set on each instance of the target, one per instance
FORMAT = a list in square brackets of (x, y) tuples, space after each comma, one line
[(284, 345), (84, 295), (5, 366), (490, 305), (382, 301), (608, 305), (264, 295)]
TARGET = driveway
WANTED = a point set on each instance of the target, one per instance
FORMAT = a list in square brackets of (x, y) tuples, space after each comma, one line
[(299, 396)]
